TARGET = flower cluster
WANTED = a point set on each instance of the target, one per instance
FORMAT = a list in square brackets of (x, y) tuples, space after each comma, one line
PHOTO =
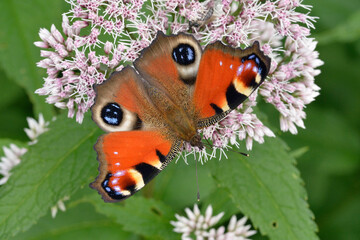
[(36, 128), (9, 161), (197, 226), (99, 37), (238, 125), (14, 153)]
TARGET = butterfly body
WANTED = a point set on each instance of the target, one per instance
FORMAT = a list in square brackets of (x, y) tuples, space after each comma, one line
[(174, 90), (179, 118)]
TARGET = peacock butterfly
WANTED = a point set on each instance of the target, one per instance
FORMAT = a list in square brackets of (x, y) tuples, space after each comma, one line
[(151, 109)]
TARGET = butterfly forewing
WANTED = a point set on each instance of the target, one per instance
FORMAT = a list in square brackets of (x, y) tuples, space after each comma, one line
[(170, 62), (119, 101), (227, 77)]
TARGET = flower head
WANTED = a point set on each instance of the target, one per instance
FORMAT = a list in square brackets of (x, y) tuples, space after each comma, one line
[(201, 226), (36, 128)]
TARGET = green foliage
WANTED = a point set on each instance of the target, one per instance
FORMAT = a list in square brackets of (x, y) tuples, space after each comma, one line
[(18, 56), (13, 108), (78, 222), (267, 187), (55, 167), (348, 31), (331, 169), (146, 217), (176, 185)]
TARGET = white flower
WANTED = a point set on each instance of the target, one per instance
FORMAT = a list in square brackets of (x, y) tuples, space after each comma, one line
[(9, 161), (199, 226), (14, 153), (36, 128), (59, 205)]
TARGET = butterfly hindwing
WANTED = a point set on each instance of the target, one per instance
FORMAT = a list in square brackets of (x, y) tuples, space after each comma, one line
[(129, 160), (226, 77)]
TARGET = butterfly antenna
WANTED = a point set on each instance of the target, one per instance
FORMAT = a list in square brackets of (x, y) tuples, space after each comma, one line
[(238, 152), (209, 143)]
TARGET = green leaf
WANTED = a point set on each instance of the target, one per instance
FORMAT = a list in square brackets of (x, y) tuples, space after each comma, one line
[(18, 55), (347, 31), (330, 170), (146, 217), (15, 107), (267, 187), (10, 90), (176, 184), (299, 152), (58, 165), (77, 222), (221, 202)]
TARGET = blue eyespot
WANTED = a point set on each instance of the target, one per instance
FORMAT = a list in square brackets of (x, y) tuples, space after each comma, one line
[(261, 66), (112, 114), (184, 54)]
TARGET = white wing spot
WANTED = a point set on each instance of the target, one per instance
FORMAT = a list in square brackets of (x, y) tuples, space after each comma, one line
[(240, 69), (119, 173)]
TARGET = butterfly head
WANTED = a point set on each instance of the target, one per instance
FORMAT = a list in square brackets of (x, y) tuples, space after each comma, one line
[(195, 141)]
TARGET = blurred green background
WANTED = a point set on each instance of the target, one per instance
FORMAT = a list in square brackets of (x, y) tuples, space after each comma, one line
[(330, 165)]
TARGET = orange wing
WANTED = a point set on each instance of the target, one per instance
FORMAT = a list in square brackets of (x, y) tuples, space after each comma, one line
[(121, 102), (226, 77), (170, 64), (129, 160)]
